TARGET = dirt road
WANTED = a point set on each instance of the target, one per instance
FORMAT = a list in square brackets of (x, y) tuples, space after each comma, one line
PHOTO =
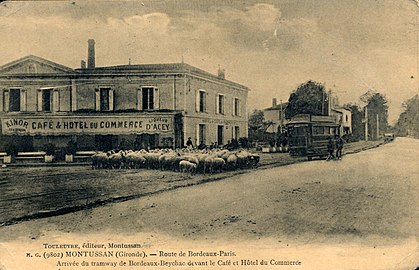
[(358, 213)]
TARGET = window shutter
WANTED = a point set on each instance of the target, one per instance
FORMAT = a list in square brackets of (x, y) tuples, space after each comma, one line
[(6, 100), (1, 100), (223, 99), (217, 108), (139, 99), (73, 95), (111, 100), (156, 99), (56, 100), (23, 100), (197, 136), (197, 100), (39, 98), (97, 92), (233, 107)]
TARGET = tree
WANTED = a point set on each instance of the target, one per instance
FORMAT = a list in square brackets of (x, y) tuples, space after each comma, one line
[(258, 127), (408, 122), (377, 113), (308, 98), (257, 121), (357, 121)]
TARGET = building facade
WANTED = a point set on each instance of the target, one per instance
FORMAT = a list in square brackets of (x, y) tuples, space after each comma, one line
[(276, 116), (344, 118), (127, 106)]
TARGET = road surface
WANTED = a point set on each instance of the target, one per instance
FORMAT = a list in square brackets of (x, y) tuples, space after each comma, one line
[(357, 213)]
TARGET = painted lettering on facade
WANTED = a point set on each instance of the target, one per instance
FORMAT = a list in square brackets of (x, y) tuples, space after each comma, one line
[(87, 125)]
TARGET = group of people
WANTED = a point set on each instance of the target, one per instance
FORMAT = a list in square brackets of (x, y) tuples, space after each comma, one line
[(231, 145), (336, 144)]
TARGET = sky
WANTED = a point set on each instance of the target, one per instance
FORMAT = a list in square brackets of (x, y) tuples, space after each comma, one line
[(351, 46)]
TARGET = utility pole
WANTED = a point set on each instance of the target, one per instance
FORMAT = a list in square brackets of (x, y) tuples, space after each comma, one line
[(378, 127), (280, 115), (366, 123)]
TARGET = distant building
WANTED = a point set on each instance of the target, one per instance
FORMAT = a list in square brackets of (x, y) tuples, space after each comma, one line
[(275, 115), (149, 105), (344, 118)]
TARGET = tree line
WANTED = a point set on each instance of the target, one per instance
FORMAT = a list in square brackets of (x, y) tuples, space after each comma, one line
[(311, 98)]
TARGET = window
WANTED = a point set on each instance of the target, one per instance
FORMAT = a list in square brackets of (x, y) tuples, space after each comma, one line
[(200, 101), (104, 99), (318, 130), (31, 68), (220, 135), (346, 118), (46, 100), (14, 100), (236, 107), (236, 132), (220, 104), (148, 98), (201, 134)]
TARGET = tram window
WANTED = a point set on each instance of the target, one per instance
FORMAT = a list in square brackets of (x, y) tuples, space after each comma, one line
[(299, 131), (318, 130), (327, 131)]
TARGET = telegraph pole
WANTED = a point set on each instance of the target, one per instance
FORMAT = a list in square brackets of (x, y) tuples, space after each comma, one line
[(366, 123), (378, 127)]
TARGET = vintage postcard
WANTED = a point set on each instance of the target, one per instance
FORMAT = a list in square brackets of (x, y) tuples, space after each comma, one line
[(177, 134)]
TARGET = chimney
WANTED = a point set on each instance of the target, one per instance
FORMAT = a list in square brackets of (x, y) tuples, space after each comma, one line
[(221, 73), (274, 103), (83, 64), (91, 54)]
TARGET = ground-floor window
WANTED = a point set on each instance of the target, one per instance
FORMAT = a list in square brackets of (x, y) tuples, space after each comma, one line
[(236, 132)]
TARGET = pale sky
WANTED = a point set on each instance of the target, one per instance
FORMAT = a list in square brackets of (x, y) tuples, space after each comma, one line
[(270, 46)]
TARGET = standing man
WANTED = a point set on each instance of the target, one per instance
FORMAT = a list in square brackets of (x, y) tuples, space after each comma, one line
[(330, 149), (189, 143)]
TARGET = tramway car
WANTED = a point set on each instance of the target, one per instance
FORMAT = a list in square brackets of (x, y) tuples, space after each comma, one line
[(309, 135)]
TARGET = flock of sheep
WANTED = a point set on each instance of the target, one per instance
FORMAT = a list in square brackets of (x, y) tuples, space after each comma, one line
[(183, 160)]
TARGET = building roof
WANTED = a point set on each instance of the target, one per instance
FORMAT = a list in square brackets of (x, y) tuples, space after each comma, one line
[(277, 107), (33, 58), (149, 69), (143, 69), (340, 109)]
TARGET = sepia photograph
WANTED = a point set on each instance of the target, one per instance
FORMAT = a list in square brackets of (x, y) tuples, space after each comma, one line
[(209, 134)]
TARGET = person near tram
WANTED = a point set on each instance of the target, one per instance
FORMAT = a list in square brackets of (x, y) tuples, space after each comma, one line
[(339, 147), (330, 148)]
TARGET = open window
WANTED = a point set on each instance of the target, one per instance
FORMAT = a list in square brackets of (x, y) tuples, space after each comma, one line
[(201, 101), (104, 99), (220, 104), (148, 98)]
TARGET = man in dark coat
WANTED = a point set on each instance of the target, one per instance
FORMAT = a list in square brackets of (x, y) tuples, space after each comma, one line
[(339, 147), (330, 148), (189, 143)]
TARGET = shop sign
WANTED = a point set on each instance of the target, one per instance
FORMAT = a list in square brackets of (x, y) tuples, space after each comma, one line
[(219, 121), (70, 125)]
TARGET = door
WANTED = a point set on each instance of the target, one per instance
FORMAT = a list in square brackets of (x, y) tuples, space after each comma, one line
[(105, 142), (220, 135)]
